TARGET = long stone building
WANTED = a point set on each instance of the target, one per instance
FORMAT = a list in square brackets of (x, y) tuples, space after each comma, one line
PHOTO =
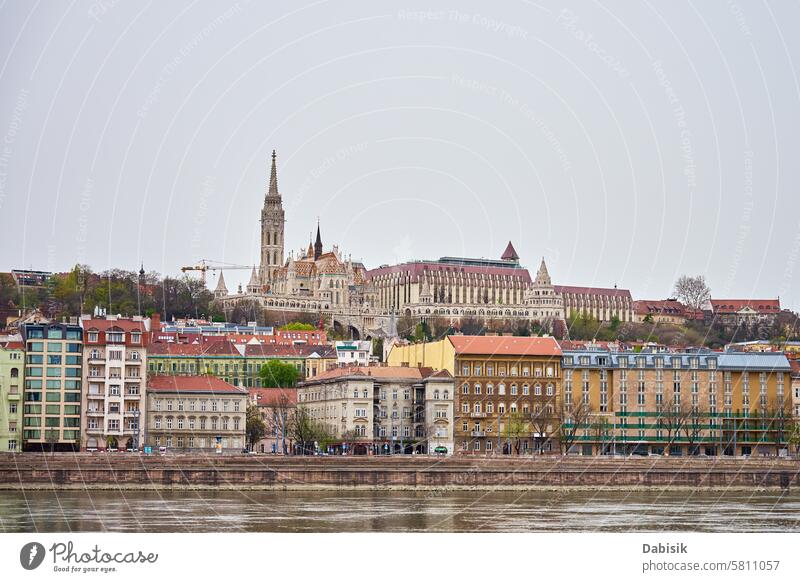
[(368, 301)]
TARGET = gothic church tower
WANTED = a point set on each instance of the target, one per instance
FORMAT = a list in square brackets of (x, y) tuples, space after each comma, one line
[(272, 222)]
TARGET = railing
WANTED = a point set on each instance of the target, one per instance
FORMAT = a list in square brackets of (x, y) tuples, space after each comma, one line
[(478, 433)]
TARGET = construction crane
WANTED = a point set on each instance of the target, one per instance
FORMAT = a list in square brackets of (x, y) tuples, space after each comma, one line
[(204, 265)]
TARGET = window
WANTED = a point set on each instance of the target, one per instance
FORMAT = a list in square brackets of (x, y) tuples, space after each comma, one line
[(550, 390), (477, 388), (465, 388), (169, 422), (526, 390)]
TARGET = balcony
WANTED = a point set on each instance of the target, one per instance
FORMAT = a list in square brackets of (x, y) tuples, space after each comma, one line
[(94, 430), (134, 378), (95, 412), (95, 395), (477, 415), (478, 433), (13, 393), (136, 396)]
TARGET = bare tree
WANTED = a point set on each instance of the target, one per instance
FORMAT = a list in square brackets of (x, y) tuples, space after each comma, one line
[(278, 417), (671, 418), (544, 421), (573, 421), (692, 425), (692, 291)]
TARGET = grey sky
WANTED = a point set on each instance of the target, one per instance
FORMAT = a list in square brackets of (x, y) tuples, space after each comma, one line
[(627, 142)]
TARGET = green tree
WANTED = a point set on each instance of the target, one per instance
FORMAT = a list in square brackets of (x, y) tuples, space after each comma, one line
[(255, 427), (517, 429), (297, 326), (794, 437), (277, 374)]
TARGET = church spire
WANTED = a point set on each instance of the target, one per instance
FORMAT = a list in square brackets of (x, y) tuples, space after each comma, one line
[(318, 244), (273, 177)]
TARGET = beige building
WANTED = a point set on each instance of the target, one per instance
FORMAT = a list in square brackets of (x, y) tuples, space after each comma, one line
[(675, 403), (114, 371), (195, 413), (382, 409)]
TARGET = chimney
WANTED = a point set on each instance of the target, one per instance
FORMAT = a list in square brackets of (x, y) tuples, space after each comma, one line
[(155, 322)]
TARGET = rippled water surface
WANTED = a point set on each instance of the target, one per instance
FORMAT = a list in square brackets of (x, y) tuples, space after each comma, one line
[(396, 511)]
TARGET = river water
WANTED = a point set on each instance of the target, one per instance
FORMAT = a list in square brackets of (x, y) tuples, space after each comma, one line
[(397, 511)]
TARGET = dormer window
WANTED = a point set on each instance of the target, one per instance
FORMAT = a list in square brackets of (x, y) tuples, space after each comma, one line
[(92, 337)]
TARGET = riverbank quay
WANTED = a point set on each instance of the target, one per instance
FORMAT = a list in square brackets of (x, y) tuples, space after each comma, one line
[(30, 471)]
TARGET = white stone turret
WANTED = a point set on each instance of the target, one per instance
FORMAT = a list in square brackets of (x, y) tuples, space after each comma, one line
[(221, 290)]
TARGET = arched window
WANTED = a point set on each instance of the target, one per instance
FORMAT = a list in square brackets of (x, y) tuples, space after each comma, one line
[(447, 395), (436, 395), (15, 372)]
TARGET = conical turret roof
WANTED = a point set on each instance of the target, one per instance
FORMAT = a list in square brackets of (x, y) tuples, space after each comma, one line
[(510, 254), (253, 279), (221, 288), (542, 276)]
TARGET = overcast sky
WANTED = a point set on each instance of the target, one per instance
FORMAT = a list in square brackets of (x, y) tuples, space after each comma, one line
[(627, 143)]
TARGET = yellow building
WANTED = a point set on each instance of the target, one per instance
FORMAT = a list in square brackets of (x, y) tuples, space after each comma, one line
[(670, 403), (507, 390)]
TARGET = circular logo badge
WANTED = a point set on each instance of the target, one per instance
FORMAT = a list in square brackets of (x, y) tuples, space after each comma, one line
[(31, 555)]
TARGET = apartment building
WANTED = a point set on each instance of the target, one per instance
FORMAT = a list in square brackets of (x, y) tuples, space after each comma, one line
[(382, 409), (195, 413), (675, 403), (114, 371), (508, 389), (12, 369), (51, 416), (508, 394)]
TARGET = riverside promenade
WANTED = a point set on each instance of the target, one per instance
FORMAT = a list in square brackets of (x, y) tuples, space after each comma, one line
[(30, 471)]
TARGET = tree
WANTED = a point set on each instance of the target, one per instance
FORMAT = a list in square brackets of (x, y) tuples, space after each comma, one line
[(277, 374), (255, 427), (377, 348), (306, 431), (573, 420), (794, 437), (692, 426), (278, 415), (517, 429), (671, 418), (297, 326), (692, 291), (543, 421), (599, 428)]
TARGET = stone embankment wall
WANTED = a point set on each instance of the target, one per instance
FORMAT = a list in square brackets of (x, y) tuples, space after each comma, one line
[(132, 471)]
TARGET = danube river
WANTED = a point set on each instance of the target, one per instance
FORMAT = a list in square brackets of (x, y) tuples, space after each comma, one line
[(397, 511)]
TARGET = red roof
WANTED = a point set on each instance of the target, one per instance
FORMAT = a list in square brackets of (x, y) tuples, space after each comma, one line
[(592, 291), (380, 372), (109, 324), (12, 345), (731, 306), (418, 268), (287, 351), (505, 345), (272, 396), (204, 384), (509, 254), (795, 364), (659, 307)]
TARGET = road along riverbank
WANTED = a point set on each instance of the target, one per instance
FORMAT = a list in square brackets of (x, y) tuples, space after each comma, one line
[(176, 471)]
